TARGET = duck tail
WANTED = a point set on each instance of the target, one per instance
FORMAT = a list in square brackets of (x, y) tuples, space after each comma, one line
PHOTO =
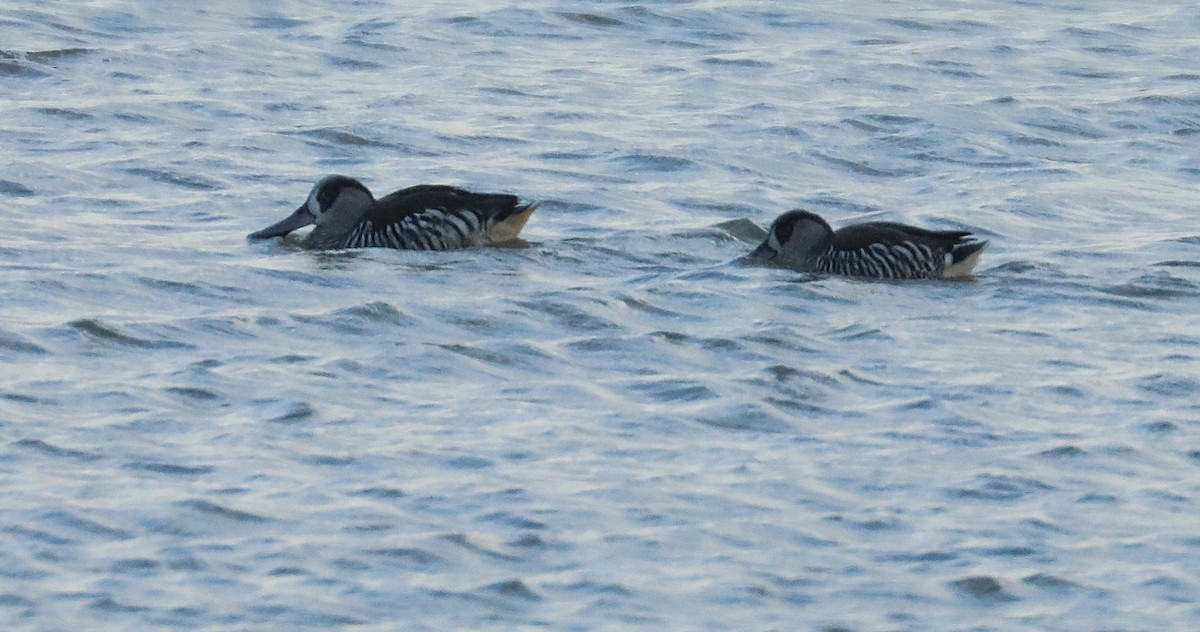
[(508, 228), (963, 258)]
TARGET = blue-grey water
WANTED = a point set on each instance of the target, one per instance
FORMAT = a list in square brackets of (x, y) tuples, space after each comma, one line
[(616, 426)]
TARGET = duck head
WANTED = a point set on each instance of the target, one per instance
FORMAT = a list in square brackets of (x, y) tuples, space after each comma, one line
[(333, 200), (794, 236)]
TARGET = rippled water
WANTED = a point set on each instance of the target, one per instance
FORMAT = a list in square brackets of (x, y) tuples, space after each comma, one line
[(614, 426)]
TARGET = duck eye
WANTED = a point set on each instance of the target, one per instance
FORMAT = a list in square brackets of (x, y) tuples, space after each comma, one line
[(326, 196), (783, 231)]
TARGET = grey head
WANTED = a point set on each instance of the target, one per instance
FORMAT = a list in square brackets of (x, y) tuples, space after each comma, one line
[(335, 204), (796, 236)]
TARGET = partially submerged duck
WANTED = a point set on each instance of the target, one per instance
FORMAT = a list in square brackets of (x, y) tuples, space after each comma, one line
[(423, 217), (804, 241)]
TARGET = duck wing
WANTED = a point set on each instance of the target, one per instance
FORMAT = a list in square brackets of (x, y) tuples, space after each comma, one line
[(442, 217), (862, 236), (395, 207)]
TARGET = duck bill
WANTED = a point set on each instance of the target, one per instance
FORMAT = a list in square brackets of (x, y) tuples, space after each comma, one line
[(763, 252), (299, 219)]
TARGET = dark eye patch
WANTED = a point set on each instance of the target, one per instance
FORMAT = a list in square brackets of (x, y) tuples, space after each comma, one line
[(329, 193), (783, 230), (333, 188)]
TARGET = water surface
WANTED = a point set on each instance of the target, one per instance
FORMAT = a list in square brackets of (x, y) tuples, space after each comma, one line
[(614, 426)]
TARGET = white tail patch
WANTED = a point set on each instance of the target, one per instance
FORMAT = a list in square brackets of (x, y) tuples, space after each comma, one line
[(508, 229), (962, 268)]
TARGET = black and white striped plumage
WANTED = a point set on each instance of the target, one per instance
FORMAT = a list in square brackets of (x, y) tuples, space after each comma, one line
[(804, 241), (423, 217)]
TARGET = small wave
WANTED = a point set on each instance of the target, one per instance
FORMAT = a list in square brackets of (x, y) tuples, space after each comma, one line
[(877, 41), (76, 522), (193, 394), (655, 163), (647, 307), (13, 342), (210, 508), (1049, 582), (922, 557), (513, 589), (857, 331), (52, 450), (14, 189), (112, 606), (463, 542), (737, 62), (909, 24), (467, 462), (67, 114), (863, 168), (340, 138), (170, 469), (673, 390), (1033, 141), (568, 316), (1063, 452), (507, 355), (10, 68), (745, 418), (1084, 73), (290, 412), (194, 289), (57, 54), (103, 332), (328, 460), (376, 311), (569, 155), (591, 19), (1167, 385), (1161, 285), (1164, 99), (168, 176), (983, 588), (951, 68), (352, 63), (404, 557), (277, 23), (31, 64), (137, 565), (360, 40), (1074, 129), (999, 488)]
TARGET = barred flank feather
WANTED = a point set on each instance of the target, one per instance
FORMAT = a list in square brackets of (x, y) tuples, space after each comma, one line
[(905, 260), (429, 229)]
